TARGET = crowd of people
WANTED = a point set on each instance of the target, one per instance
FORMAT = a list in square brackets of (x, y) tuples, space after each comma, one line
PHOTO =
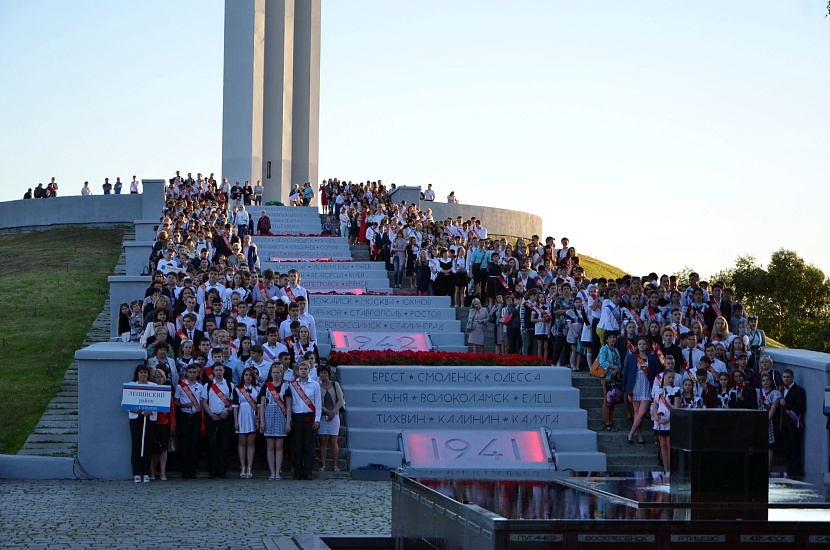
[(660, 345), (700, 347), (237, 344)]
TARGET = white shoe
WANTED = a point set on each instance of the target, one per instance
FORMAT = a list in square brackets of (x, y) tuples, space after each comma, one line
[(273, 477), (137, 479), (146, 479), (277, 477)]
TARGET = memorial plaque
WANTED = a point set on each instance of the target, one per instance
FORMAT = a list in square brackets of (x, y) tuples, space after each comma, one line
[(361, 325), (479, 449), (392, 301), (326, 267), (357, 312), (349, 341), (327, 286), (264, 241)]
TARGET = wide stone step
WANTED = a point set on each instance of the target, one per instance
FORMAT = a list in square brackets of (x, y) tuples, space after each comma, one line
[(441, 377), (49, 449), (306, 268), (62, 406), (427, 397), (567, 439), (579, 461), (468, 418), (358, 325), (68, 430), (346, 285), (42, 438), (290, 212), (438, 302), (382, 312)]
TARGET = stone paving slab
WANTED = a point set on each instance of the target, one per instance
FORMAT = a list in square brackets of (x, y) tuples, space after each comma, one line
[(107, 514)]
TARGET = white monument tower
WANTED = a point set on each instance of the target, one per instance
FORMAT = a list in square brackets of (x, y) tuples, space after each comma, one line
[(271, 95)]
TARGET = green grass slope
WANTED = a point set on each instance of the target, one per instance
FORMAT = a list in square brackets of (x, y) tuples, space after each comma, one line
[(52, 286)]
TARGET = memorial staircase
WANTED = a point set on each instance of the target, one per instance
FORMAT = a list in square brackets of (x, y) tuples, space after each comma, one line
[(357, 296), (349, 272)]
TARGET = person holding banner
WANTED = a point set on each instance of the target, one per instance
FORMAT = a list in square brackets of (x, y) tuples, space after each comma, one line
[(245, 423), (306, 408), (217, 406), (141, 431), (275, 418)]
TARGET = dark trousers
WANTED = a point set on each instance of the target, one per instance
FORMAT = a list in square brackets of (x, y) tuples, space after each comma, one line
[(792, 439), (595, 343), (188, 427), (480, 279), (303, 436), (514, 339), (218, 436), (560, 346), (141, 462)]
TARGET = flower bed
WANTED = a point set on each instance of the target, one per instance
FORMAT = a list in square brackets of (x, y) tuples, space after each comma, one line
[(432, 358)]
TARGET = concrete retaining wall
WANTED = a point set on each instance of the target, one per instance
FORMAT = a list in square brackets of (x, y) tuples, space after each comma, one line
[(498, 221), (811, 370), (94, 211)]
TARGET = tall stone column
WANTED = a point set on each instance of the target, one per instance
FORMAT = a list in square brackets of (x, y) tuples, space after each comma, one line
[(306, 113), (278, 97), (242, 104)]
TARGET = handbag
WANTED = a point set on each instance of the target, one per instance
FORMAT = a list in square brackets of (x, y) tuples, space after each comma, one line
[(171, 444), (507, 319), (597, 371), (470, 323)]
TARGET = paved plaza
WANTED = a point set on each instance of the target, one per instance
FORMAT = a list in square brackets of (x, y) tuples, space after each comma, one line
[(205, 513)]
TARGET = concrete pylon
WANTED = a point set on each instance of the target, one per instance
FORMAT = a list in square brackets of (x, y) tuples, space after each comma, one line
[(242, 118), (278, 100), (306, 119), (271, 95)]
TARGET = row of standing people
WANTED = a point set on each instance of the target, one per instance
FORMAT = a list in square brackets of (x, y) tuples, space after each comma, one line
[(303, 407)]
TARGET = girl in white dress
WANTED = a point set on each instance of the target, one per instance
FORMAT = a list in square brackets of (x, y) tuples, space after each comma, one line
[(245, 420), (664, 399)]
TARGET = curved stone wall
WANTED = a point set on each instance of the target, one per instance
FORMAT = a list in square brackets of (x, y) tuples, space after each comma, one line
[(498, 221)]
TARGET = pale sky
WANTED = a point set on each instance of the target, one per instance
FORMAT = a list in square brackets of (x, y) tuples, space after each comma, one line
[(655, 135)]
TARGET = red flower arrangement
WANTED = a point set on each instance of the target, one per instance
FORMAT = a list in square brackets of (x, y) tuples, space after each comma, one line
[(432, 358)]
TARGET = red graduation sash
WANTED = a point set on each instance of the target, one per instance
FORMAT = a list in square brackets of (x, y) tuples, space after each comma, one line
[(263, 292), (186, 389), (643, 363), (503, 282), (762, 397), (631, 347), (659, 353), (220, 394), (303, 396), (714, 306), (247, 395), (289, 293), (182, 335), (276, 397), (209, 372), (637, 318), (652, 315)]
